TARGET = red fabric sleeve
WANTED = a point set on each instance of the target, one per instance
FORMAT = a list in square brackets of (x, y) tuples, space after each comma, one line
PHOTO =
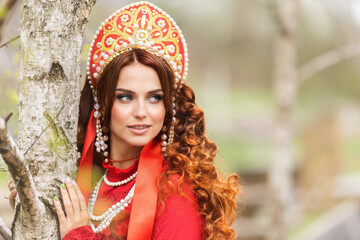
[(82, 233), (180, 219)]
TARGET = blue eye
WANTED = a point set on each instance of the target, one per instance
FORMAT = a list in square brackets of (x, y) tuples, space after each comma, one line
[(156, 98), (124, 97)]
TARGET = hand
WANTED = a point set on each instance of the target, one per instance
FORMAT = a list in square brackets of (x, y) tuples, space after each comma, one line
[(76, 212), (12, 194)]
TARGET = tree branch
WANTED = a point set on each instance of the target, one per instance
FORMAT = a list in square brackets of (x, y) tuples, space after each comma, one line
[(7, 118), (2, 169), (10, 41), (327, 60), (5, 231), (25, 187)]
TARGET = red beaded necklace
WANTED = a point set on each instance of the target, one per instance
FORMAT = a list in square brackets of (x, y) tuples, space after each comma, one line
[(136, 157)]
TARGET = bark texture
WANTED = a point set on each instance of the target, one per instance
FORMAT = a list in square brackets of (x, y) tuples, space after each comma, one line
[(20, 173), (5, 231), (280, 181), (50, 35)]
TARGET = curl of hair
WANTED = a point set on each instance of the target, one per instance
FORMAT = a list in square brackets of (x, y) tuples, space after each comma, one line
[(191, 156)]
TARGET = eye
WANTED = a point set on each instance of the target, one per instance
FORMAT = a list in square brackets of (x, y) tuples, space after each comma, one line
[(124, 97), (155, 98)]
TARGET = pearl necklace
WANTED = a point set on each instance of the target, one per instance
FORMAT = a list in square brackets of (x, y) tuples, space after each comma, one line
[(111, 212), (122, 182)]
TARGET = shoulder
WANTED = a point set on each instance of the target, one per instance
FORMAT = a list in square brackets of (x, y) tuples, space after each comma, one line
[(177, 216), (182, 190), (180, 186), (184, 183)]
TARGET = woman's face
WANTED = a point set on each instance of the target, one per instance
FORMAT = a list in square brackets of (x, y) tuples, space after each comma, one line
[(138, 110)]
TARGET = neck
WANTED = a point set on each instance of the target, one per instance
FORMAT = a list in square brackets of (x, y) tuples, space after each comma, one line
[(123, 165), (124, 158)]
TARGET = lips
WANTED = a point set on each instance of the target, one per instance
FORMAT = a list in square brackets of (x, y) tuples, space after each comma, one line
[(139, 129)]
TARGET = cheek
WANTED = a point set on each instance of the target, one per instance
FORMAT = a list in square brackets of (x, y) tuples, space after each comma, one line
[(114, 114), (117, 114), (159, 115)]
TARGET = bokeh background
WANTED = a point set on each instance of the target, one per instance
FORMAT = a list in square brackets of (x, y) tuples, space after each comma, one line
[(231, 47)]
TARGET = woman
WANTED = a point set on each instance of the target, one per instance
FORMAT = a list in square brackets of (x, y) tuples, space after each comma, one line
[(152, 175)]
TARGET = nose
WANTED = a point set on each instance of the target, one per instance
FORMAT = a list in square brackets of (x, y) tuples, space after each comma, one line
[(139, 110)]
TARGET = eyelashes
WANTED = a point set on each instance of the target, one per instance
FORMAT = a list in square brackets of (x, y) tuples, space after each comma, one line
[(126, 98), (156, 98)]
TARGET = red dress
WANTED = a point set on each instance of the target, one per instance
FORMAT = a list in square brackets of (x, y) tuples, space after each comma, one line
[(177, 219)]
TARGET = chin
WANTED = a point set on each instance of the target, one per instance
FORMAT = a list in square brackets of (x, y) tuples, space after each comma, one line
[(141, 140), (139, 143)]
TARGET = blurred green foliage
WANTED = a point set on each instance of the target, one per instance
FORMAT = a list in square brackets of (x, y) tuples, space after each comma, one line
[(3, 11), (242, 154), (351, 151)]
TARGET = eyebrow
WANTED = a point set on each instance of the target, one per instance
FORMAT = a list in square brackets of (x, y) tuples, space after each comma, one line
[(132, 92)]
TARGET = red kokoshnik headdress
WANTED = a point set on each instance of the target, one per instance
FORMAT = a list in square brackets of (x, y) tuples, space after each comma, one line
[(139, 25), (145, 26)]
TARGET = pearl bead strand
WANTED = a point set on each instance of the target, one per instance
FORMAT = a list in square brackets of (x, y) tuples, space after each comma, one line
[(111, 212), (122, 182)]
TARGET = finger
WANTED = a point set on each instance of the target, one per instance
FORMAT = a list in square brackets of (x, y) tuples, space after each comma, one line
[(12, 199), (80, 196), (73, 197), (59, 211), (85, 217), (12, 194), (11, 185), (69, 211)]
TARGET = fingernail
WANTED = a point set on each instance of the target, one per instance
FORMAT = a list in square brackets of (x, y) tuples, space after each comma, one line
[(56, 198), (63, 186), (73, 182), (68, 180)]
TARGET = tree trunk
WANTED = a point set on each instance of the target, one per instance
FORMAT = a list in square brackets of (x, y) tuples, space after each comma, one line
[(280, 182), (51, 36)]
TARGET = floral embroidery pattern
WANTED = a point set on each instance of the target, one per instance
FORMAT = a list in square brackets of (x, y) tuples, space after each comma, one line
[(161, 23), (125, 18), (109, 41), (171, 49)]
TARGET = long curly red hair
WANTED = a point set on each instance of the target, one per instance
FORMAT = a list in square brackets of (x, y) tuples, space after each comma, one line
[(191, 155)]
